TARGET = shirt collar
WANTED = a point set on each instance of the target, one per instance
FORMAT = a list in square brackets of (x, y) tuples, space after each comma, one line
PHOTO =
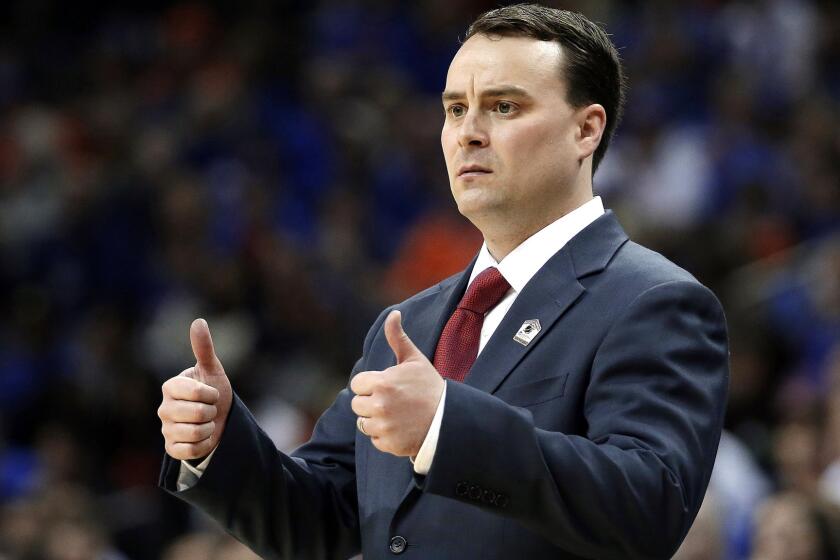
[(521, 264)]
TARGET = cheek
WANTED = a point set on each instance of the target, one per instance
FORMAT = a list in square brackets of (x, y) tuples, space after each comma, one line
[(535, 149), (449, 146)]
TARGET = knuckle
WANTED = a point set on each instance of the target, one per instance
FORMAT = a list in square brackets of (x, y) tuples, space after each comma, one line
[(195, 432), (194, 393), (385, 427), (381, 408), (198, 449), (385, 387)]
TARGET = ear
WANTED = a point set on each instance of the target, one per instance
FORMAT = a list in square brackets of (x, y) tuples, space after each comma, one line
[(592, 122)]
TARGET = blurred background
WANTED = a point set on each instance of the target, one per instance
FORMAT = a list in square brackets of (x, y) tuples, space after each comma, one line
[(276, 168)]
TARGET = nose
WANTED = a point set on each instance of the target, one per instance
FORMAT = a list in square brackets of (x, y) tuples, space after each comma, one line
[(473, 130)]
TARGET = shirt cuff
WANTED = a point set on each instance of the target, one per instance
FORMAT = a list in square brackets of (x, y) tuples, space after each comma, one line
[(423, 461), (188, 475)]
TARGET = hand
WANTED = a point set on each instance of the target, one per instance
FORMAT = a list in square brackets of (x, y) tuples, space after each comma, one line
[(196, 402), (398, 404)]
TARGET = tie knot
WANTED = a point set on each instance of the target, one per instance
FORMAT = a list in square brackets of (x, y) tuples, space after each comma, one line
[(485, 292)]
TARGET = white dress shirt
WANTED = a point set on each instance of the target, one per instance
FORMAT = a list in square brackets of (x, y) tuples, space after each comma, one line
[(518, 267)]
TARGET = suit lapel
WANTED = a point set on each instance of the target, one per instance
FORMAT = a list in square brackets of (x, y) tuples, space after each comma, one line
[(555, 283), (424, 320), (546, 297)]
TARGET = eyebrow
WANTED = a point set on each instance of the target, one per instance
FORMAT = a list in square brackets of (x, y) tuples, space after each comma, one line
[(501, 91)]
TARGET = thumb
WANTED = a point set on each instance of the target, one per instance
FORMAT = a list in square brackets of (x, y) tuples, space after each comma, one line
[(202, 346), (399, 342)]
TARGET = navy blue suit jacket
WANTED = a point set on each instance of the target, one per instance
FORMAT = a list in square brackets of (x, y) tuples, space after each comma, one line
[(596, 440)]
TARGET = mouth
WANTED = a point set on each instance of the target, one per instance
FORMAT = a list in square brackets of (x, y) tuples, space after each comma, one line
[(473, 171)]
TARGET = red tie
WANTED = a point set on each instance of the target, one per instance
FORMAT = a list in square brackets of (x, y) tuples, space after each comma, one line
[(458, 344)]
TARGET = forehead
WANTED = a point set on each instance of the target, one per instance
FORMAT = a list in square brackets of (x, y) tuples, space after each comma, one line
[(484, 62)]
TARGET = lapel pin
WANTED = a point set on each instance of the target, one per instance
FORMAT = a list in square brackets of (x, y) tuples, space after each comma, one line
[(527, 332)]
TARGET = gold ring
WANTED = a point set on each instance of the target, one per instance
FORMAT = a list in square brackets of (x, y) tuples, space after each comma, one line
[(360, 424)]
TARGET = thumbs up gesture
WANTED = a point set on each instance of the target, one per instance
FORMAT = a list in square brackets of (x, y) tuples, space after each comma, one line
[(396, 406), (196, 402)]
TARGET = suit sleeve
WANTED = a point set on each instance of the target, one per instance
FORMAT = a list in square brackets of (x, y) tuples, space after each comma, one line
[(297, 506), (654, 409)]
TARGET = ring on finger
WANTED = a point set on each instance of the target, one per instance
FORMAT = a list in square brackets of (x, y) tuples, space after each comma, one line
[(360, 424)]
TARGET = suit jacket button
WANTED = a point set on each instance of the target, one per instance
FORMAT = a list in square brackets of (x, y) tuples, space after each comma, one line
[(461, 489), (502, 501), (488, 497), (475, 492), (397, 544)]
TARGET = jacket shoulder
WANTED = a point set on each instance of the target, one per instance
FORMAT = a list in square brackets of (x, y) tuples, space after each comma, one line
[(636, 269)]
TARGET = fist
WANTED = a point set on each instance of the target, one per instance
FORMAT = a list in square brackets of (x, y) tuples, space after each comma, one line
[(397, 405), (196, 403)]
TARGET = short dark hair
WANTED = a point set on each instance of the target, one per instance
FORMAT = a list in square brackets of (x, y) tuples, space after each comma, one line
[(592, 67)]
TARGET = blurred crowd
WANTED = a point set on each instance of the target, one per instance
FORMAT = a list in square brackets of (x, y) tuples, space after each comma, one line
[(275, 167)]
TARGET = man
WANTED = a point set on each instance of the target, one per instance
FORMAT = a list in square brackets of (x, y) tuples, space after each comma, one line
[(561, 398)]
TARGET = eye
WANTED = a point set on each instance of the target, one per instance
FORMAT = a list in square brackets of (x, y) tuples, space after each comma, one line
[(456, 110), (505, 108)]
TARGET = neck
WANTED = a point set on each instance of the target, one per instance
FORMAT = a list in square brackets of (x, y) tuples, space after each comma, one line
[(510, 233)]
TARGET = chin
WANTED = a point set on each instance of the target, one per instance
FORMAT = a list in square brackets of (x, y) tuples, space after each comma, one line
[(476, 209)]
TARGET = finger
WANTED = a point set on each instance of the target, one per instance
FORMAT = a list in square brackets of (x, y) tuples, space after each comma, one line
[(365, 382), (184, 451), (202, 345), (186, 411), (373, 427), (189, 389), (404, 349), (191, 373), (365, 406), (184, 432)]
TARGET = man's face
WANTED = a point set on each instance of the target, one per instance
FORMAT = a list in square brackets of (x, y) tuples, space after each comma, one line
[(506, 113)]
